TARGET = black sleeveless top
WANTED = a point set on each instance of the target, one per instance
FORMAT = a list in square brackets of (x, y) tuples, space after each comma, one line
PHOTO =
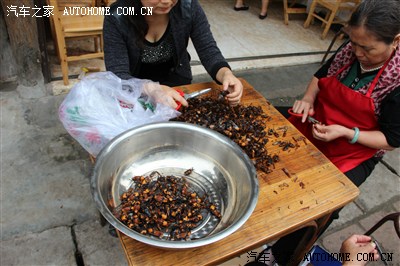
[(157, 59)]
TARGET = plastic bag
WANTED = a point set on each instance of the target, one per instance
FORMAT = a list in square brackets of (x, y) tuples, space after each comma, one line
[(101, 106)]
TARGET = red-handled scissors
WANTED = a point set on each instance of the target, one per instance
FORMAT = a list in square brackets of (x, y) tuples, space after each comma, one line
[(190, 95), (309, 118)]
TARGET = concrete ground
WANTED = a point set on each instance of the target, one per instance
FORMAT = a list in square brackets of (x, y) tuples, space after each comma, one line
[(47, 214)]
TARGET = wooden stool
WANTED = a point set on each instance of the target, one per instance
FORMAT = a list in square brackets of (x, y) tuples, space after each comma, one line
[(333, 7)]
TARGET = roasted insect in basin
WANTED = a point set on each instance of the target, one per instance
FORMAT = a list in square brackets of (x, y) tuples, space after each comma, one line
[(163, 206), (188, 171)]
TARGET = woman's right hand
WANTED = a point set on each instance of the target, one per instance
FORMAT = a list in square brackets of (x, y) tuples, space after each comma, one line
[(164, 95), (305, 107), (172, 97)]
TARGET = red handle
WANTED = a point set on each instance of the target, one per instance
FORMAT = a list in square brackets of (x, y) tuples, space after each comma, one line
[(309, 118), (290, 111), (179, 103)]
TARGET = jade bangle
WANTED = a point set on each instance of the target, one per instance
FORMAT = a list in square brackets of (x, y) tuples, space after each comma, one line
[(356, 135)]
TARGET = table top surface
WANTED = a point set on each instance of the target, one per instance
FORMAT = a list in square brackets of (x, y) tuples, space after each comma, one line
[(303, 187)]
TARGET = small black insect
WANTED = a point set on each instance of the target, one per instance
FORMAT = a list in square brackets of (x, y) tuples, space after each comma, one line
[(188, 171)]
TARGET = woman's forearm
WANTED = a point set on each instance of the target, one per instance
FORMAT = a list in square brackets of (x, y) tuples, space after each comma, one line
[(372, 139), (221, 72), (312, 91)]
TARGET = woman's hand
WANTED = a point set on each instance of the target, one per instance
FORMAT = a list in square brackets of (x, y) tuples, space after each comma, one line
[(358, 244), (331, 132), (172, 97), (164, 94), (231, 84), (305, 107)]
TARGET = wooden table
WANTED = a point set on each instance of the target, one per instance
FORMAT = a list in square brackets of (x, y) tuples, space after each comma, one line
[(313, 191)]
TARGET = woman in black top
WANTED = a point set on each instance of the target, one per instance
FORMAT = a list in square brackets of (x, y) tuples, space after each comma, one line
[(154, 46)]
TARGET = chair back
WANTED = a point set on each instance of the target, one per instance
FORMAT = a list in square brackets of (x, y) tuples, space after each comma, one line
[(81, 25), (333, 8)]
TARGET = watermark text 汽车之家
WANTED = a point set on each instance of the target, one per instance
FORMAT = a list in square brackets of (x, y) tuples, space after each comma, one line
[(27, 11), (47, 11)]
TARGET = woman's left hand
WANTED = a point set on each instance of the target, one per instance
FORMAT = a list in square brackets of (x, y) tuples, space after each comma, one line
[(329, 133), (231, 84)]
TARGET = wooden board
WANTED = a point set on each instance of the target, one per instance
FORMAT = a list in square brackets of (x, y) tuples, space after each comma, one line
[(313, 189)]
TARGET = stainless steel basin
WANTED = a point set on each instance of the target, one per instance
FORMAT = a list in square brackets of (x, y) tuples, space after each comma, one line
[(220, 169)]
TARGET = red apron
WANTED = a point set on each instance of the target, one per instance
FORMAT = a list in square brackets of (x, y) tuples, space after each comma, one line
[(338, 104)]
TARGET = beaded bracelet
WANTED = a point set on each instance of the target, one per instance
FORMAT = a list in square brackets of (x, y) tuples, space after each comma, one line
[(356, 135)]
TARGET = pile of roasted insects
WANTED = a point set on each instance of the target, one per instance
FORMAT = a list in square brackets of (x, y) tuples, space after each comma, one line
[(245, 125), (163, 206)]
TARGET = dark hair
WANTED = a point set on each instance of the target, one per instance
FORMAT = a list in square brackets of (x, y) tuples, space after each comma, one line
[(380, 17), (138, 22)]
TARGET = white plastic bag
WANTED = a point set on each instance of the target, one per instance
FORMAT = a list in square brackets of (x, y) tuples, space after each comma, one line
[(101, 106)]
